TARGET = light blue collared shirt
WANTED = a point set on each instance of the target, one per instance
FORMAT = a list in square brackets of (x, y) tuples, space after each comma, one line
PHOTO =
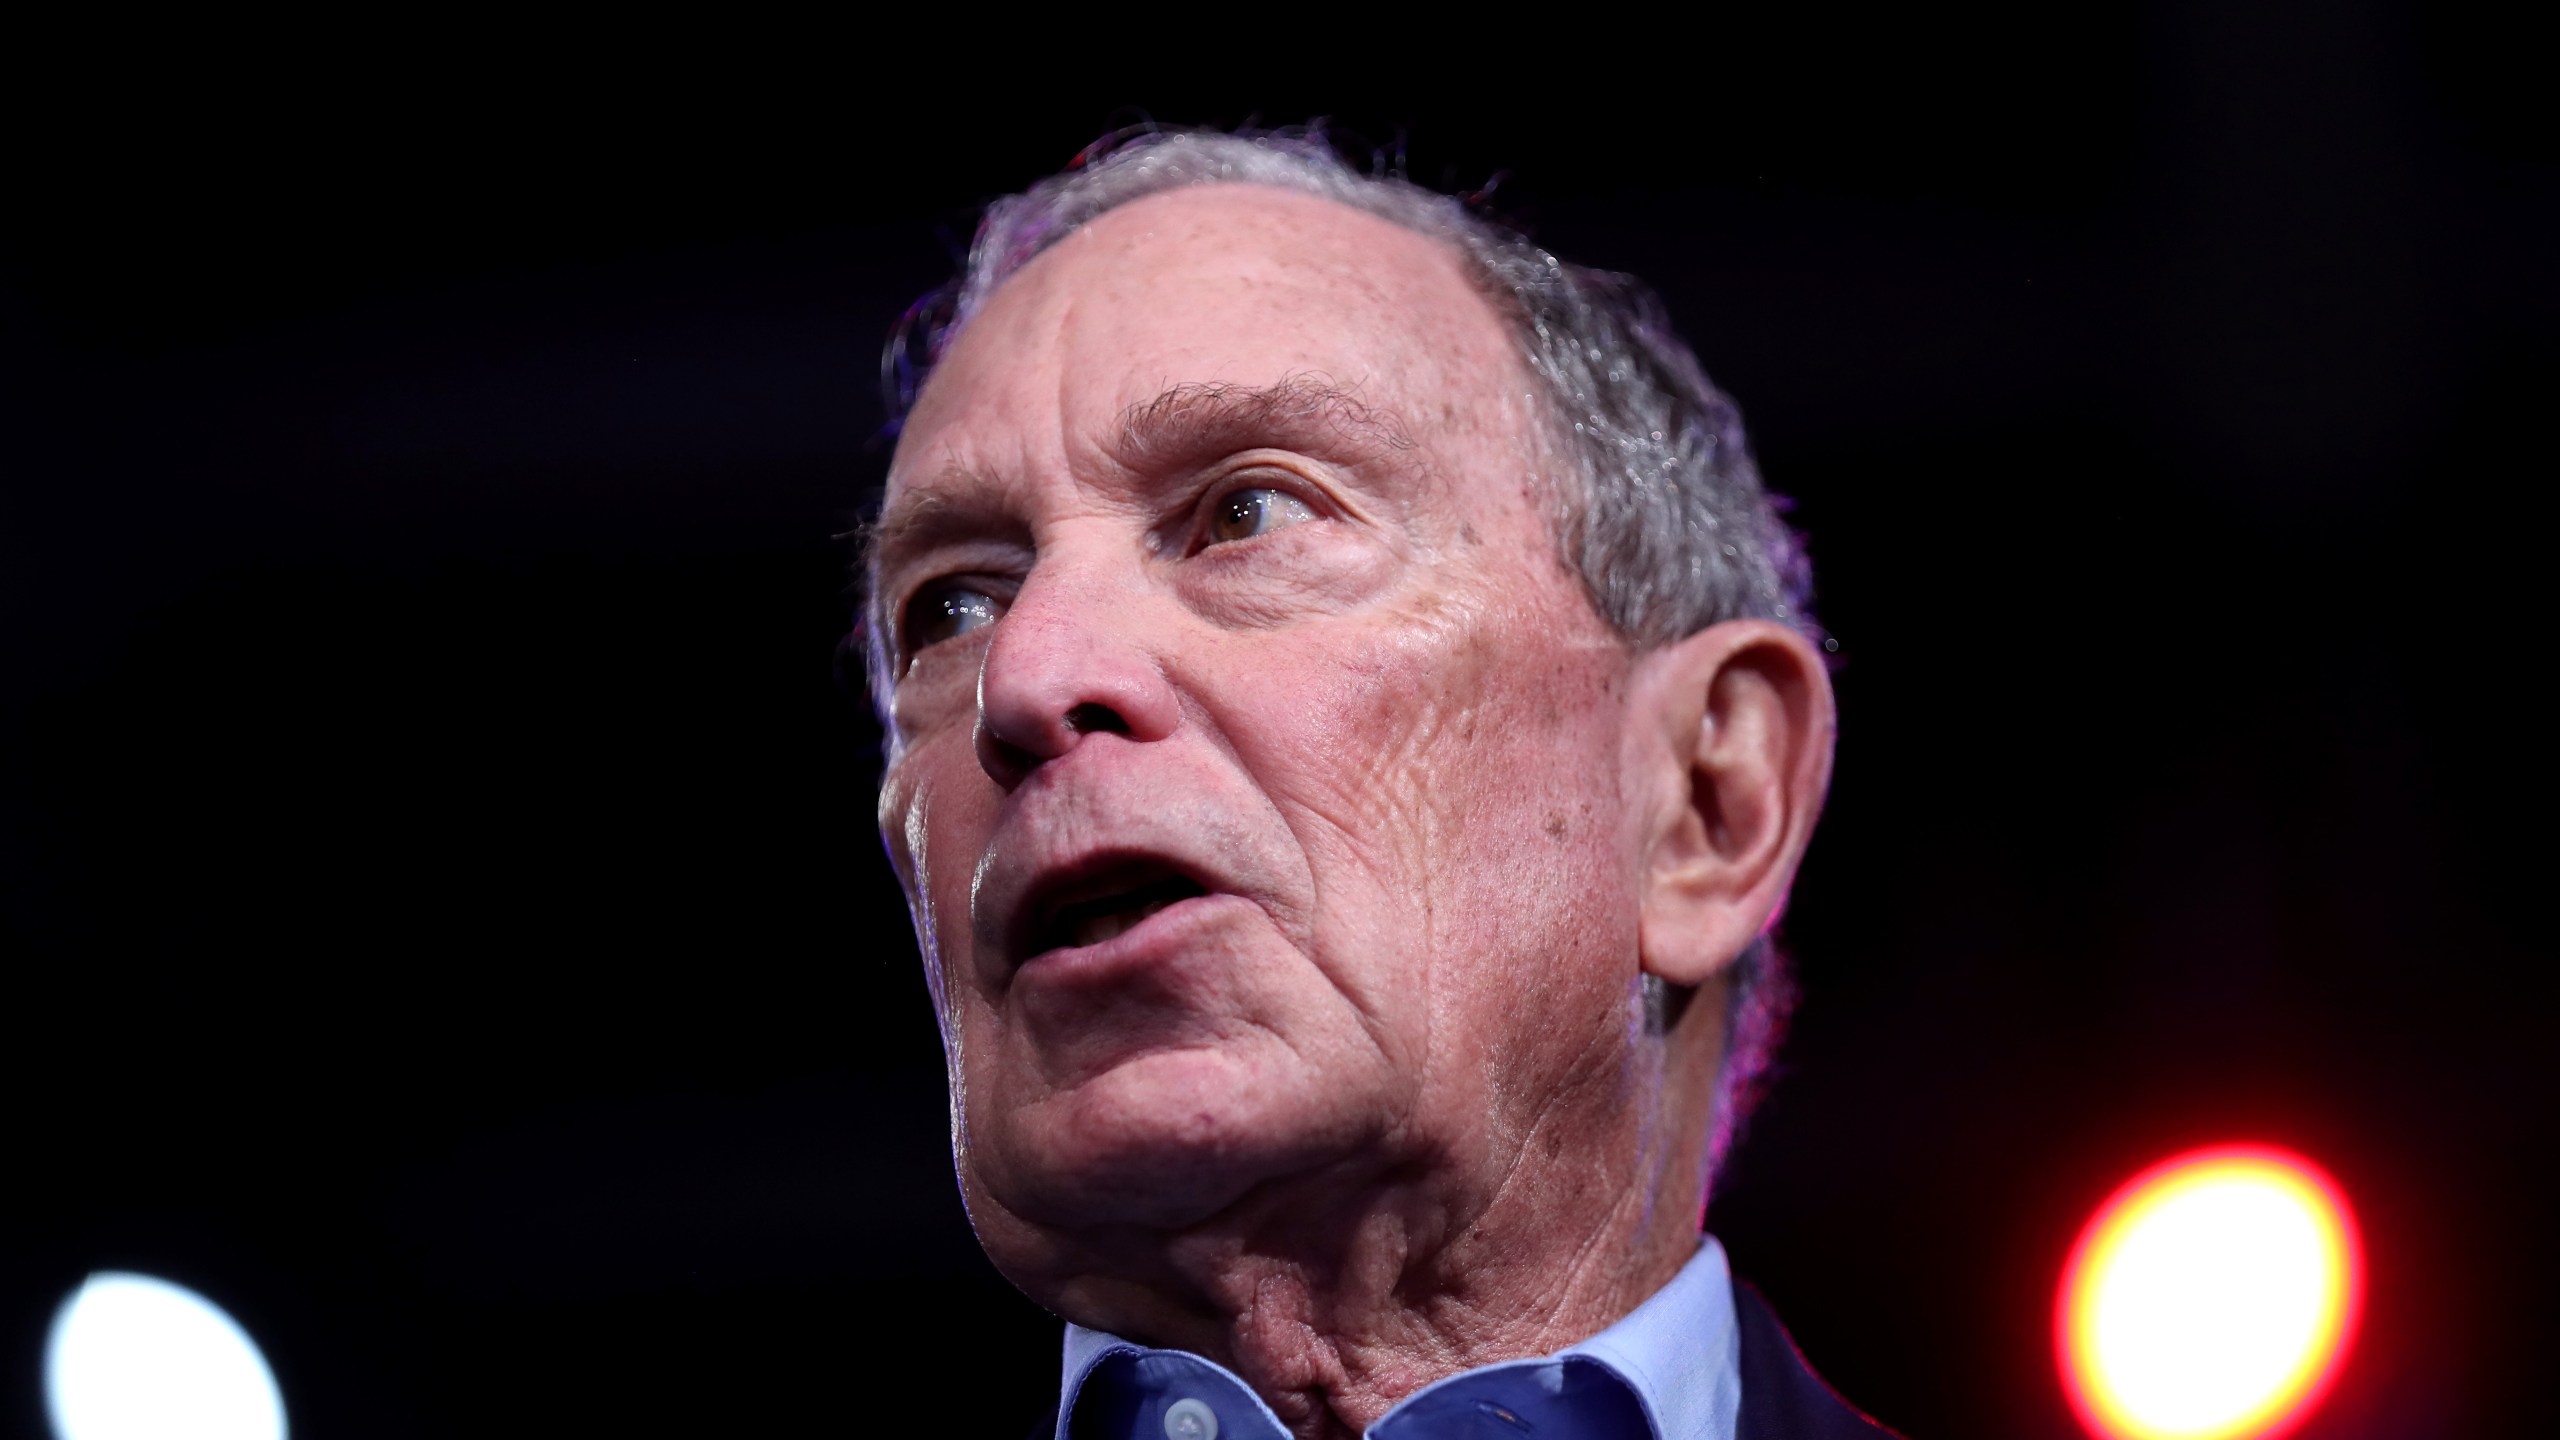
[(1671, 1370)]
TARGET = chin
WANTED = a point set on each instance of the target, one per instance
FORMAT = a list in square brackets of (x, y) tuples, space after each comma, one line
[(1169, 1138)]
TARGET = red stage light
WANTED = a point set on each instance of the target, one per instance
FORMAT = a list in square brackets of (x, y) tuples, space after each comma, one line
[(2211, 1298)]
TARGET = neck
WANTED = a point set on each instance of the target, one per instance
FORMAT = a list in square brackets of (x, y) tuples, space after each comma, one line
[(1336, 1295), (1332, 1343)]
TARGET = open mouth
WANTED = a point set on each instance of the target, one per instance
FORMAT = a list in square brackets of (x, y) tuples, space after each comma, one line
[(1114, 911)]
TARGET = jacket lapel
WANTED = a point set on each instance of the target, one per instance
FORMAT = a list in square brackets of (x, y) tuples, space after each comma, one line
[(1782, 1399)]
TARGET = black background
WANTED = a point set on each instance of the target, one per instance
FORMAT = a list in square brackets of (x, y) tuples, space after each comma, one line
[(443, 918)]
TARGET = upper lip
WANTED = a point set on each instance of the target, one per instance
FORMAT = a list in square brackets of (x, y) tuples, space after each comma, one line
[(1037, 918)]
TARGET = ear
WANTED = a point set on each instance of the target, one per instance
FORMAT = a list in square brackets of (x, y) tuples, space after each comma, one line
[(1731, 753)]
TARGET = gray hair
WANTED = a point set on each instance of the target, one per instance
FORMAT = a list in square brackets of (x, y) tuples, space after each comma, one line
[(1662, 513)]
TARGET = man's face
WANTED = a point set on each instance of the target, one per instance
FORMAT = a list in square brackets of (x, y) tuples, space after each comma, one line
[(1257, 764)]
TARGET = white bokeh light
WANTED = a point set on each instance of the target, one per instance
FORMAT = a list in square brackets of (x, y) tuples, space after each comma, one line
[(132, 1357), (2211, 1298), (2213, 1303)]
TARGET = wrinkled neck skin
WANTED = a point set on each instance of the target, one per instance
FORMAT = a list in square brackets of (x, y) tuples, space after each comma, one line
[(1337, 1292)]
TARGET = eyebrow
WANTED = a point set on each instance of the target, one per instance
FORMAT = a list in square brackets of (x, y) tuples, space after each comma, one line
[(924, 519), (1196, 423), (1183, 427)]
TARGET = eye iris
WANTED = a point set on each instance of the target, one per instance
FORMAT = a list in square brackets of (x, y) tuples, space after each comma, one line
[(1248, 513), (946, 614)]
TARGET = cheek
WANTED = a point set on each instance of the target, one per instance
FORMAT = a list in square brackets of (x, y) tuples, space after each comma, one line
[(1525, 779), (1358, 732), (940, 688), (1460, 760), (935, 807), (1308, 572), (1535, 898)]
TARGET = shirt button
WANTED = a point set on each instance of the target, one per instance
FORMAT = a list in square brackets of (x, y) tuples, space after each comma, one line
[(1190, 1420)]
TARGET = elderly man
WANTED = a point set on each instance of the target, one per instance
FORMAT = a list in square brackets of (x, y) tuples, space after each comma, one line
[(1352, 724)]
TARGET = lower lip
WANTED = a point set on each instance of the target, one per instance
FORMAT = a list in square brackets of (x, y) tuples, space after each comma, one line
[(1138, 944)]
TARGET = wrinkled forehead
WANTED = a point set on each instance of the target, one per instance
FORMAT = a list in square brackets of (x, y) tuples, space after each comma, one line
[(1214, 285)]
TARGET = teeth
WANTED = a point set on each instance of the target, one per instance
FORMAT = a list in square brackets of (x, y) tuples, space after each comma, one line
[(1094, 929)]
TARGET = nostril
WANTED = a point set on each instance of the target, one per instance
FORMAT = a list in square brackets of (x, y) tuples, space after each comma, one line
[(1087, 718), (1010, 761), (1005, 762)]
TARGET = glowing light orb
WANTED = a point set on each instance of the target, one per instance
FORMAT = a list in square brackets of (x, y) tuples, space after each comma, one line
[(2210, 1298), (137, 1358)]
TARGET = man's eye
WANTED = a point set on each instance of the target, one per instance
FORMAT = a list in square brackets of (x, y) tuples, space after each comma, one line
[(946, 612), (1248, 513)]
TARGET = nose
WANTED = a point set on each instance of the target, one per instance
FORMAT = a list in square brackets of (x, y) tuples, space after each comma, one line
[(1067, 660)]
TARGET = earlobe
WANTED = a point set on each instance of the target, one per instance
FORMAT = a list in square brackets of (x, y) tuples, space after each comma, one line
[(1736, 756)]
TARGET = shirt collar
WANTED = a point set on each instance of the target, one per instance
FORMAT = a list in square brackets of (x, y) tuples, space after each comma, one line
[(1676, 1357)]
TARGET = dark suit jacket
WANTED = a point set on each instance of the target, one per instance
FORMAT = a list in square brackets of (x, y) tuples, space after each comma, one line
[(1782, 1399)]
